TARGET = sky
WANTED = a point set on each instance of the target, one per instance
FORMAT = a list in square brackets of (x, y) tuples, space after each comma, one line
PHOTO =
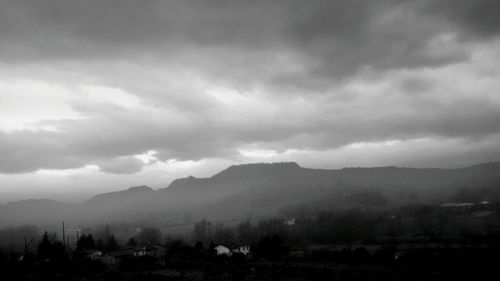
[(98, 96)]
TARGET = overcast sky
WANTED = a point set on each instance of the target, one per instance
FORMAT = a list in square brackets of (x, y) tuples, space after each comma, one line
[(102, 95)]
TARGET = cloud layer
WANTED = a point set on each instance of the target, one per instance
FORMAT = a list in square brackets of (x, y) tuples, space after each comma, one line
[(137, 87)]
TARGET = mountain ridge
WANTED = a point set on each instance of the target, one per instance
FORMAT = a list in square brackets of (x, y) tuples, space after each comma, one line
[(190, 179), (131, 190), (485, 165), (266, 188)]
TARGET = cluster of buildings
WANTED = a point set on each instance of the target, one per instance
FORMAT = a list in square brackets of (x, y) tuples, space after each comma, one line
[(113, 258), (232, 248)]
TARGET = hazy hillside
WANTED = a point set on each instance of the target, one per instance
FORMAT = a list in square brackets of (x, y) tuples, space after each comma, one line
[(264, 189), (33, 211)]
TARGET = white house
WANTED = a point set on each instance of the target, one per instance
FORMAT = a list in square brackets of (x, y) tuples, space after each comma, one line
[(140, 252), (93, 254), (156, 250), (289, 222), (222, 250), (245, 250), (232, 249)]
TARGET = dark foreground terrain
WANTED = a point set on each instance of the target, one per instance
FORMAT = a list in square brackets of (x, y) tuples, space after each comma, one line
[(454, 241), (267, 222), (467, 263)]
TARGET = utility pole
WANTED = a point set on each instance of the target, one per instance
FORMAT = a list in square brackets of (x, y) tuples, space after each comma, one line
[(26, 245), (63, 236)]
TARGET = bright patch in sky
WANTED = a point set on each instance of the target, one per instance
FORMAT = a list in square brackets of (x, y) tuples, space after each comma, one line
[(110, 95), (225, 95), (361, 145), (68, 172), (257, 153), (147, 157), (25, 103)]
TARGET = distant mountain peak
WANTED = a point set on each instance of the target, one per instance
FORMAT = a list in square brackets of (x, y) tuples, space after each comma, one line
[(239, 172), (265, 189), (182, 182), (42, 201), (140, 188), (135, 190), (257, 170), (266, 165), (263, 166)]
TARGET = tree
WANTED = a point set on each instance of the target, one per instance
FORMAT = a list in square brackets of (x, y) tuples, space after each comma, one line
[(50, 250), (100, 245), (222, 234), (149, 235), (198, 246), (271, 247), (132, 242), (111, 244), (202, 232), (86, 242), (13, 238), (44, 247), (103, 232), (244, 230)]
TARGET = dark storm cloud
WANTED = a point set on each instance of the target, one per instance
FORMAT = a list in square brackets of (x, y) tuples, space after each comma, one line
[(111, 140), (331, 39), (27, 151), (278, 47), (415, 85), (480, 18)]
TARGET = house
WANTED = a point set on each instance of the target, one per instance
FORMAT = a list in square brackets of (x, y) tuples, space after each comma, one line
[(140, 252), (289, 222), (457, 205), (232, 248), (242, 249), (222, 250), (109, 261), (154, 250), (93, 254), (127, 252)]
